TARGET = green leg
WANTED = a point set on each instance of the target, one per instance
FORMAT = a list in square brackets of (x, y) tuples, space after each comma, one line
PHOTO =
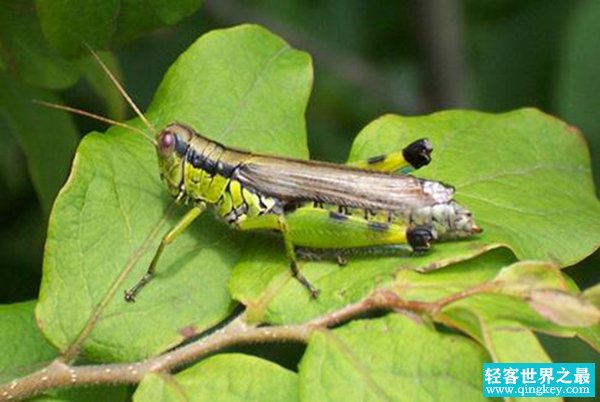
[(320, 228), (414, 156), (278, 222), (291, 254), (341, 256), (183, 223)]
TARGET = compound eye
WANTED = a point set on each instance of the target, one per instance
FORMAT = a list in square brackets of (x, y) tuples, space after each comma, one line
[(166, 143)]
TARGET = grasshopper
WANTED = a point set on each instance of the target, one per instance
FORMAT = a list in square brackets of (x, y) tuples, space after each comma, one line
[(312, 204)]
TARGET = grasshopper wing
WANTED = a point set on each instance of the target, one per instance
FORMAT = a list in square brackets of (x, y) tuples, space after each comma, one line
[(293, 180)]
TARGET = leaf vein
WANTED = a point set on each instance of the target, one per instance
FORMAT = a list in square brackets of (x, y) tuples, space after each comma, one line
[(243, 102)]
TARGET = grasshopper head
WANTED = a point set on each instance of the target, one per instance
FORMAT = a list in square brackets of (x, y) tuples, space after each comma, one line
[(449, 219), (171, 147), (460, 223)]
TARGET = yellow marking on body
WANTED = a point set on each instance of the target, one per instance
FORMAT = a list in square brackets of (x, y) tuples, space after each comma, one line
[(225, 204), (391, 237), (216, 187), (265, 222), (192, 180), (235, 189), (384, 163), (253, 203)]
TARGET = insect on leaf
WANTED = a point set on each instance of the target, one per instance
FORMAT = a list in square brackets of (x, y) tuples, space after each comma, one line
[(108, 219)]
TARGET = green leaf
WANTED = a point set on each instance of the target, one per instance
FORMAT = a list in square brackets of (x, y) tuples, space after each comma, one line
[(453, 279), (394, 358), (510, 342), (546, 290), (590, 335), (223, 378), (487, 301), (68, 24), (114, 189), (527, 276), (266, 287), (523, 295), (569, 350), (564, 308), (89, 394), (48, 137), (24, 51), (22, 346), (474, 315), (23, 350), (593, 295), (506, 169), (110, 216), (245, 88)]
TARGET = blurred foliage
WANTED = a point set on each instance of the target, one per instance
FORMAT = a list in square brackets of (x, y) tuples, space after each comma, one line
[(368, 61), (69, 23)]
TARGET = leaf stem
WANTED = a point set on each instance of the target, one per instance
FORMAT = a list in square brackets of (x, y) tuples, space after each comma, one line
[(60, 374)]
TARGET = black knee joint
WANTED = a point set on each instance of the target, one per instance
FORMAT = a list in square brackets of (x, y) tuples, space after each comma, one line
[(420, 238), (418, 153)]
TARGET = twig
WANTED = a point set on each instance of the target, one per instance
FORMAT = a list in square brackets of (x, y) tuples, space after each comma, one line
[(59, 374)]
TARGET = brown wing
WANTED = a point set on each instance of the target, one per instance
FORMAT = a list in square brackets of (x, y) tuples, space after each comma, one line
[(295, 180)]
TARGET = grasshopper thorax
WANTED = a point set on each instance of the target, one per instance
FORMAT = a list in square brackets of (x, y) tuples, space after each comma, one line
[(193, 167)]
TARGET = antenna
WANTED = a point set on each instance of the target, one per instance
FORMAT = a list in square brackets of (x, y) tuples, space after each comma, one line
[(95, 117), (121, 90)]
